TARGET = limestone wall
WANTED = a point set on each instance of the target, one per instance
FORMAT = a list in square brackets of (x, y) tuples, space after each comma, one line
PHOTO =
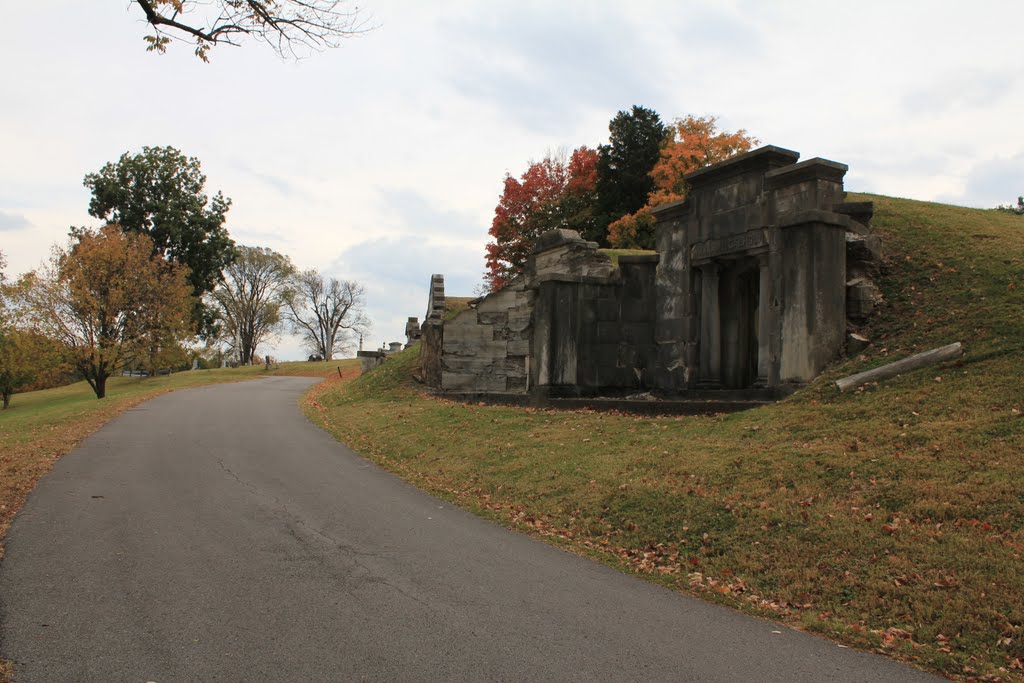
[(485, 348)]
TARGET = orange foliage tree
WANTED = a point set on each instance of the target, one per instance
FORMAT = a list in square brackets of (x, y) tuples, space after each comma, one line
[(695, 142), (107, 299), (552, 193)]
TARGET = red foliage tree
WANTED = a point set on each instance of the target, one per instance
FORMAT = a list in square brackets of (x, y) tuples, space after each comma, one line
[(553, 193), (696, 142)]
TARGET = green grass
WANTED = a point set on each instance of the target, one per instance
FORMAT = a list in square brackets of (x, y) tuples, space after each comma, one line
[(614, 254), (889, 518)]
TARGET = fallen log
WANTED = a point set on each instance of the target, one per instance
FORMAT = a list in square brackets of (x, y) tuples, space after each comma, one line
[(943, 353)]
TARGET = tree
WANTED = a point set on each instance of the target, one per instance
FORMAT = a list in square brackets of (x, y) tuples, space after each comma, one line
[(1017, 210), (25, 355), (624, 164), (5, 314), (551, 193), (326, 314), (106, 298), (160, 193), (693, 142), (282, 24), (249, 300), (27, 358)]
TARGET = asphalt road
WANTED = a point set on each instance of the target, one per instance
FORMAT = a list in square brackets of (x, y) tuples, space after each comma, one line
[(215, 534)]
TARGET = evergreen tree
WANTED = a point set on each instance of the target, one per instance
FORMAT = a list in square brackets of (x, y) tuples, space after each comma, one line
[(625, 163)]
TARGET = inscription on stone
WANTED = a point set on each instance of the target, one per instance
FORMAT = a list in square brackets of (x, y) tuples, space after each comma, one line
[(752, 239)]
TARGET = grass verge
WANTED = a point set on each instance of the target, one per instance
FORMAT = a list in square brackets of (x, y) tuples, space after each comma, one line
[(890, 518)]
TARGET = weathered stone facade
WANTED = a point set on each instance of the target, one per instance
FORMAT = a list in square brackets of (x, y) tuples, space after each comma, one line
[(751, 286)]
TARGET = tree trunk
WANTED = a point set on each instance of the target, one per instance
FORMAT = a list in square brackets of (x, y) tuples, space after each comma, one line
[(921, 360), (101, 386), (7, 399)]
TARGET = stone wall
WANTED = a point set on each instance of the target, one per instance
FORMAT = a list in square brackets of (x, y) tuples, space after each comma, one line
[(571, 324), (486, 348)]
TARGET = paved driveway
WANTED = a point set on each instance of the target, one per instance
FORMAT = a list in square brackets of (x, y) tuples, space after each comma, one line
[(214, 534)]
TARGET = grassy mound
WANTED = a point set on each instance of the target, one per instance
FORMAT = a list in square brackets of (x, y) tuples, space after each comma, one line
[(889, 518)]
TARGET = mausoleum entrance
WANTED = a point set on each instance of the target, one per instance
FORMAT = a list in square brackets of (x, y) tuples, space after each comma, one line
[(733, 346)]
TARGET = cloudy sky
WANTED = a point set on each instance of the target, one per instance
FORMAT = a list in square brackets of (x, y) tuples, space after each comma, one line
[(382, 160)]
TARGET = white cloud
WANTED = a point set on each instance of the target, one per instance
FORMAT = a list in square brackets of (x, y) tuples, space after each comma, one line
[(13, 221), (383, 160)]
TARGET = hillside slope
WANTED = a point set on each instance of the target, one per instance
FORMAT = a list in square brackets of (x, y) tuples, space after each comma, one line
[(889, 518)]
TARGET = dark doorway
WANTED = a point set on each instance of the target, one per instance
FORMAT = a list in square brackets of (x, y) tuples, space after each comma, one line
[(738, 301)]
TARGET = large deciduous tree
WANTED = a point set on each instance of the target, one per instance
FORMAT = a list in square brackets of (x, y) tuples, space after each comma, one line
[(552, 193), (286, 25), (161, 193), (693, 142), (249, 299), (108, 299), (624, 164), (326, 314)]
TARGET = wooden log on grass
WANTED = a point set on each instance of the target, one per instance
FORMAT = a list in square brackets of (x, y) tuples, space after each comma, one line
[(921, 360)]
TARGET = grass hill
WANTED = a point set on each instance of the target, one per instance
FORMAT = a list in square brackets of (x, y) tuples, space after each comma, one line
[(890, 518)]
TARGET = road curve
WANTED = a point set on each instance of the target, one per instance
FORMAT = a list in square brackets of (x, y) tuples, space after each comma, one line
[(215, 534)]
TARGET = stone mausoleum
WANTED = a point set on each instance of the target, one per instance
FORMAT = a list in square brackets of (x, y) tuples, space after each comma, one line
[(756, 277)]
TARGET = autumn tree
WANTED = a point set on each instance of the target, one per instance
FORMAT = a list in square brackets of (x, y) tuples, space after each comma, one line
[(289, 27), (105, 298), (693, 142), (552, 193), (327, 314), (5, 313), (249, 299), (17, 365), (624, 164), (27, 360), (160, 193)]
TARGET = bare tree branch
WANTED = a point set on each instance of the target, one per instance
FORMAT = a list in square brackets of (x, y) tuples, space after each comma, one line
[(290, 27)]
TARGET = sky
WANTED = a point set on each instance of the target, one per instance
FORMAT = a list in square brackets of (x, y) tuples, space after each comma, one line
[(382, 160)]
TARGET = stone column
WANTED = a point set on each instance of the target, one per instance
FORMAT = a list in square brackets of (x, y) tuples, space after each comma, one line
[(710, 325), (764, 313)]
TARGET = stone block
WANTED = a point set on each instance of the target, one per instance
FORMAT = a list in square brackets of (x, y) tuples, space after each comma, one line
[(856, 343), (518, 347), (863, 248), (671, 330), (607, 310), (475, 349), (607, 333), (518, 321), (463, 332), (627, 356), (457, 381), (862, 296), (517, 385), (492, 317)]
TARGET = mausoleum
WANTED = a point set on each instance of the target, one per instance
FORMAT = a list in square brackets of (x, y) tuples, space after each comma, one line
[(754, 278)]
